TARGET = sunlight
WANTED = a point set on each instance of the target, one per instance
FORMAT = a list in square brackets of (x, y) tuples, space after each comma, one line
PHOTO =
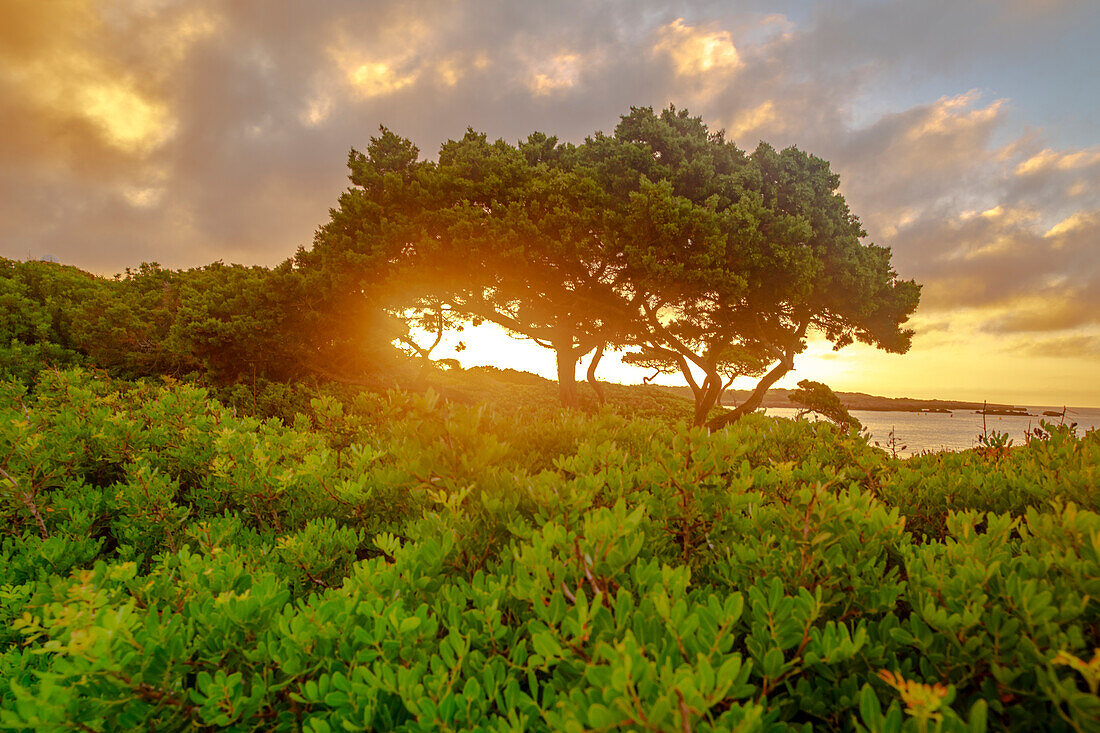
[(490, 345), (753, 119), (559, 74), (129, 120), (950, 114), (81, 86), (696, 51), (1048, 159), (378, 78), (1012, 375)]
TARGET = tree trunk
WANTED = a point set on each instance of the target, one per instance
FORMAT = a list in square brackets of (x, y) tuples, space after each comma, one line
[(696, 390), (706, 397), (725, 387), (567, 375), (596, 386), (749, 405)]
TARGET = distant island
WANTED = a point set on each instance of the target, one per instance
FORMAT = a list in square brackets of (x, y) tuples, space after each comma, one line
[(860, 401)]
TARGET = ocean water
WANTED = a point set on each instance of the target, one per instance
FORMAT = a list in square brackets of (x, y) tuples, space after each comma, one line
[(958, 430)]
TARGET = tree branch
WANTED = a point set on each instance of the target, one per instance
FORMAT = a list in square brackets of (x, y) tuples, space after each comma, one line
[(596, 386)]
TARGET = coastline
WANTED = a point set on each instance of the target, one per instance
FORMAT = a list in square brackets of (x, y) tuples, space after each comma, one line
[(873, 403)]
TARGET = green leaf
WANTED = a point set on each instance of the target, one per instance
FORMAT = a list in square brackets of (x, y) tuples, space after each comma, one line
[(772, 664)]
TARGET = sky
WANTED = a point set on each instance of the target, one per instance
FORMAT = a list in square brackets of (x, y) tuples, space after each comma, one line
[(964, 131)]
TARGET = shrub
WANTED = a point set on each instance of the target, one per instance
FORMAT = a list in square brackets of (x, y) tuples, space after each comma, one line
[(403, 563)]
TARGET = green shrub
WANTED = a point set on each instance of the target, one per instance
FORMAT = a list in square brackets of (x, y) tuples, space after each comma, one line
[(403, 563)]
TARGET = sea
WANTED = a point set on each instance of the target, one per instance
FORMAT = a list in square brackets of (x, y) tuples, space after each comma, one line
[(918, 432)]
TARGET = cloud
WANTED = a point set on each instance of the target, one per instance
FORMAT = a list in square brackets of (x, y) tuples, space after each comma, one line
[(1005, 257), (1076, 222), (556, 74), (184, 131), (1055, 311), (697, 51), (1048, 160), (761, 117), (1062, 347), (59, 62)]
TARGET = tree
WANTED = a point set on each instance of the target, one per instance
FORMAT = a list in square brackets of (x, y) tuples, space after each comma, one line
[(499, 232), (720, 370), (663, 237), (435, 318), (37, 304), (820, 399), (686, 280), (343, 309), (219, 322), (831, 282), (735, 256), (233, 322)]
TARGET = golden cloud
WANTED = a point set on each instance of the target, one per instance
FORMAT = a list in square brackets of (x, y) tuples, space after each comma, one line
[(381, 71), (317, 110), (1073, 346), (391, 67), (950, 115), (143, 197), (66, 77), (1062, 309), (1075, 222), (1011, 216), (449, 71), (754, 119), (696, 51), (78, 85), (1048, 159), (128, 118), (184, 33), (377, 78), (557, 74)]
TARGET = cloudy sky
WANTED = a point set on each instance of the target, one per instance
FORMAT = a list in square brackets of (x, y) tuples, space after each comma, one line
[(965, 133)]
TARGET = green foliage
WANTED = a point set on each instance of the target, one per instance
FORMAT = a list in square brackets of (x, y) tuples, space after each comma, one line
[(663, 237), (36, 316), (1063, 467), (819, 398), (398, 562), (220, 325)]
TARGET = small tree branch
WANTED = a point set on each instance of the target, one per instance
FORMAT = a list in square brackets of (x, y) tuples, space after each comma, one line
[(596, 386)]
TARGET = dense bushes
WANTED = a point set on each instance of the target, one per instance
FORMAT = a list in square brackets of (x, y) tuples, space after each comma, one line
[(398, 562)]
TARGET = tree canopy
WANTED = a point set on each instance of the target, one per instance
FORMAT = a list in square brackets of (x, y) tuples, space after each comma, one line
[(663, 239), (820, 399)]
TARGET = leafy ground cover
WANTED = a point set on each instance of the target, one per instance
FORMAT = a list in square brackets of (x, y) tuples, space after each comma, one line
[(393, 561)]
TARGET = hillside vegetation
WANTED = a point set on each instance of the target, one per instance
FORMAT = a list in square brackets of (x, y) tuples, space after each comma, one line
[(394, 561), (661, 240)]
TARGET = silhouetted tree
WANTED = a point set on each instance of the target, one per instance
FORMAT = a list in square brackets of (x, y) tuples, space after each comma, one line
[(820, 399)]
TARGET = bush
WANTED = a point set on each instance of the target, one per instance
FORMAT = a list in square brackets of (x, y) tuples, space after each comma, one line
[(398, 562)]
